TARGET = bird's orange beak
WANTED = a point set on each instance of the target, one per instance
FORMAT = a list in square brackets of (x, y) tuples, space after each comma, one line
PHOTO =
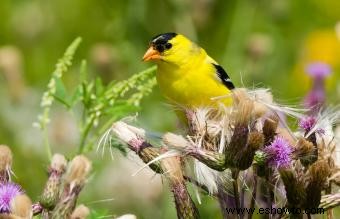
[(151, 54)]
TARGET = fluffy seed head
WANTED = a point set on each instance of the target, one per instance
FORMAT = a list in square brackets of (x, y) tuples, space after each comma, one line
[(5, 158), (21, 206), (198, 118), (8, 192), (129, 134), (58, 163), (243, 106), (174, 140), (279, 153), (78, 170), (261, 109)]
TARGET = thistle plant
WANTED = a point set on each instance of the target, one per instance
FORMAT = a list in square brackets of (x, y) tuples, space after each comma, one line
[(248, 157), (59, 196)]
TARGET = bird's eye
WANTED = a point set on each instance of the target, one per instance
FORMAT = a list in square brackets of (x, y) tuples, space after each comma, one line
[(168, 45), (159, 48)]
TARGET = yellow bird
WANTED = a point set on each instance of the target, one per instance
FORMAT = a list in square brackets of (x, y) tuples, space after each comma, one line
[(186, 74)]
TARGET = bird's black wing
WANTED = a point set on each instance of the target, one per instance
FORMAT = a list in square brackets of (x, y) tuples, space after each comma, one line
[(222, 74)]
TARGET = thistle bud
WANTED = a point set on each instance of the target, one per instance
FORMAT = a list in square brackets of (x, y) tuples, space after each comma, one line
[(5, 163), (245, 158), (132, 136), (21, 206), (37, 208), (260, 158), (81, 212), (317, 176), (74, 181), (304, 150), (135, 139), (212, 159), (295, 191), (243, 107), (78, 170), (51, 192), (260, 163), (269, 129)]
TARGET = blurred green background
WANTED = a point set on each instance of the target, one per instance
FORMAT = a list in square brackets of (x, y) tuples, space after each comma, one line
[(260, 43)]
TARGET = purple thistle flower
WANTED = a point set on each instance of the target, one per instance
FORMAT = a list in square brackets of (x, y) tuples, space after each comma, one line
[(7, 193), (307, 123), (318, 70), (316, 97), (278, 153)]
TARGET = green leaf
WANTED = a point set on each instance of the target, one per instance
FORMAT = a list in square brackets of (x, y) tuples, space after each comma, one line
[(61, 94), (86, 93), (120, 109), (83, 71), (76, 97), (99, 86)]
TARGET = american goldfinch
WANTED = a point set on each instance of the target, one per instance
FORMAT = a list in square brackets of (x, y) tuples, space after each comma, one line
[(186, 74)]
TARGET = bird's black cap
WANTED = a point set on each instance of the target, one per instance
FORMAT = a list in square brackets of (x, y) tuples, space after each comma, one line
[(160, 42), (164, 37)]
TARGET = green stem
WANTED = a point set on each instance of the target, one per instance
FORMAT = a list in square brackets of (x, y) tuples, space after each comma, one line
[(235, 174), (45, 133), (329, 211), (253, 195), (84, 135), (47, 144), (101, 130)]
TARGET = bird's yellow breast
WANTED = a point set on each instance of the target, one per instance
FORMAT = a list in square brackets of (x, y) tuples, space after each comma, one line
[(193, 84)]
